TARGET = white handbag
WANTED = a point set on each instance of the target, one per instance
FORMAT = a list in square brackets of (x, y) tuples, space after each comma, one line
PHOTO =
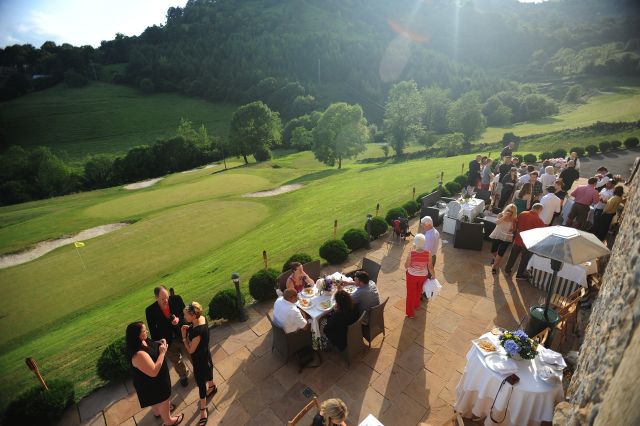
[(431, 288)]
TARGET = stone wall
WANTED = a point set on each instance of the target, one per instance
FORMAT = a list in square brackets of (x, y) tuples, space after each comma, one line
[(605, 389)]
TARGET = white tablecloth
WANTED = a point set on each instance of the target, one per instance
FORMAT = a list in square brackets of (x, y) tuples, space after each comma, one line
[(532, 400), (370, 420), (472, 208), (575, 273), (449, 225)]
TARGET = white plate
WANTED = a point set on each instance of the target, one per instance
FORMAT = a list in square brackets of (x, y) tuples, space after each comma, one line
[(322, 308), (496, 362), (309, 301), (549, 375), (476, 343), (304, 290), (350, 289)]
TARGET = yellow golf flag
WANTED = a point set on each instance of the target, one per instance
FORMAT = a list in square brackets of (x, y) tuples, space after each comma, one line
[(78, 244)]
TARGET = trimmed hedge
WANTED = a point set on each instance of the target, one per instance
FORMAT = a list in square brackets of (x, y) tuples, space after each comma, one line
[(591, 149), (616, 144), (334, 251), (378, 226), (453, 187), (411, 207), (578, 150), (262, 284), (356, 239), (461, 180), (604, 146), (560, 153), (529, 158), (224, 305), (631, 142), (444, 192), (39, 407), (395, 213), (545, 155), (113, 365), (298, 257)]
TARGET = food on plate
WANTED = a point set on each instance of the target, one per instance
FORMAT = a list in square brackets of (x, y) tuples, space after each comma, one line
[(326, 305), (497, 331), (305, 303), (350, 289), (487, 346), (308, 291)]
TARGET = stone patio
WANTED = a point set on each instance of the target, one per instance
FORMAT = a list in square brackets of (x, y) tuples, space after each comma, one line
[(407, 378)]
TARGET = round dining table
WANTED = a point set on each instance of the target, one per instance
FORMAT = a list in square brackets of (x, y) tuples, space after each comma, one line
[(532, 399)]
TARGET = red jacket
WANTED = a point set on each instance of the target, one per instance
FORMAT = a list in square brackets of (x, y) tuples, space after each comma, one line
[(527, 220)]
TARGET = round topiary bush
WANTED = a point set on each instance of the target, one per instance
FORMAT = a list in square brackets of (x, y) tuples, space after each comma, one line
[(378, 226), (616, 144), (356, 238), (113, 365), (262, 154), (411, 207), (631, 142), (224, 305), (39, 407), (334, 251), (529, 158), (461, 180), (604, 146), (591, 149), (395, 213), (578, 150), (545, 155), (444, 192), (559, 153), (262, 284), (298, 257), (453, 187)]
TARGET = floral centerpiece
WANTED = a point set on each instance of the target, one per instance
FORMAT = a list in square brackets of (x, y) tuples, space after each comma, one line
[(518, 345), (466, 194), (328, 284)]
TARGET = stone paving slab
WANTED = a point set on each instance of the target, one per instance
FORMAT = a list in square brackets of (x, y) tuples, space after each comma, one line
[(408, 377)]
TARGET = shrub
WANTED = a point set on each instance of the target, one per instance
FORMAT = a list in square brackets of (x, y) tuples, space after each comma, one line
[(545, 155), (334, 251), (591, 149), (529, 158), (146, 85), (75, 79), (224, 305), (631, 142), (578, 150), (378, 226), (113, 365), (262, 154), (356, 238), (616, 144), (395, 213), (461, 180), (424, 194), (411, 207), (262, 284), (453, 187), (39, 407), (559, 153), (444, 192), (604, 146), (298, 257)]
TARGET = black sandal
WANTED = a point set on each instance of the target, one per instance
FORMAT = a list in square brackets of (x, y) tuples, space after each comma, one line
[(494, 271), (203, 420), (177, 422), (212, 390), (171, 408)]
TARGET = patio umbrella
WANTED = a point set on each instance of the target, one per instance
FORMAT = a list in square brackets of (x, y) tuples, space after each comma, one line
[(562, 244)]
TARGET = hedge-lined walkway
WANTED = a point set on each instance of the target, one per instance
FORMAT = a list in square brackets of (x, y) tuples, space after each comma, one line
[(407, 379)]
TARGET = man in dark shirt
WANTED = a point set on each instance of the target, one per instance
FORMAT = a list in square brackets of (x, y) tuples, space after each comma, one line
[(366, 295), (474, 172), (569, 175), (507, 151), (505, 167)]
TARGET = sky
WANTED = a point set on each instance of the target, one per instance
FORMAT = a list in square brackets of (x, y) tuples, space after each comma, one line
[(78, 22)]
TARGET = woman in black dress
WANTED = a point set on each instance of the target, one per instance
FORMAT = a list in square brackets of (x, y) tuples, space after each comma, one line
[(344, 314), (196, 340), (150, 372), (508, 186)]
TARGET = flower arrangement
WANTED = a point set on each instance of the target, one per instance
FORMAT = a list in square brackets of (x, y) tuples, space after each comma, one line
[(328, 283), (466, 193), (518, 344)]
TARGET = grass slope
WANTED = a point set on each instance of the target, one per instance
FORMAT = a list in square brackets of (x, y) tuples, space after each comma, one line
[(103, 118), (192, 243), (621, 105)]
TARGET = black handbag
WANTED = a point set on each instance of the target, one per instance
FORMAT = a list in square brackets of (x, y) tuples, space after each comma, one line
[(512, 380)]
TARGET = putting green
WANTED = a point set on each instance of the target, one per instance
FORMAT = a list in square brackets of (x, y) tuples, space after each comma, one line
[(118, 263)]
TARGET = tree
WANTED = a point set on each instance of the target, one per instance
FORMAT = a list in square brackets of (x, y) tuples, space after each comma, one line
[(403, 115), (436, 106), (452, 144), (465, 116), (497, 113), (340, 133), (303, 105), (97, 172), (301, 139), (254, 127)]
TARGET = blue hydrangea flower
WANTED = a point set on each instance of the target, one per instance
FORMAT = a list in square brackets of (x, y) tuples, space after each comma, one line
[(520, 334), (511, 347)]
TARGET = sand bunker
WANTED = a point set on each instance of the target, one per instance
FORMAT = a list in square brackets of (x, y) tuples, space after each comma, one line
[(208, 166), (44, 247), (143, 184), (270, 193)]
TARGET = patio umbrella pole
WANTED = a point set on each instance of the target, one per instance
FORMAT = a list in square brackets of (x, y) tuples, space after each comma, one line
[(556, 265)]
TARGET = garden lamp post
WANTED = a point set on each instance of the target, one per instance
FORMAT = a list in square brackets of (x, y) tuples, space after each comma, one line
[(242, 315), (368, 226)]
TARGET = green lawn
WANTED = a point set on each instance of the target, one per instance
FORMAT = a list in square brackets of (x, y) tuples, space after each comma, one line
[(622, 105), (194, 230), (104, 118)]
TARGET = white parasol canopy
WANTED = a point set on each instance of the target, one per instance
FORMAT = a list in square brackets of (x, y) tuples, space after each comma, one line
[(567, 245)]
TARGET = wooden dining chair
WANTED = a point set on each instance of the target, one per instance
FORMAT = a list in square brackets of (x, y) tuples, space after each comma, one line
[(313, 403), (541, 337), (559, 302)]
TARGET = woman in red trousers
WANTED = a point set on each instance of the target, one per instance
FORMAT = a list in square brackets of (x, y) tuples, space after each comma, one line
[(418, 266)]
